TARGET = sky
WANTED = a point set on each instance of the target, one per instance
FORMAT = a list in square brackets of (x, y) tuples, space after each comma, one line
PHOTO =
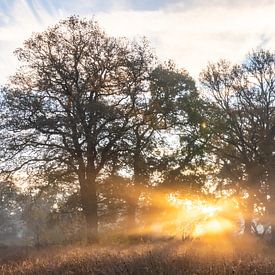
[(190, 32)]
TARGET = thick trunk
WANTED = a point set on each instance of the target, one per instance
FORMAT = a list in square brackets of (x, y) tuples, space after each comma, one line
[(89, 205)]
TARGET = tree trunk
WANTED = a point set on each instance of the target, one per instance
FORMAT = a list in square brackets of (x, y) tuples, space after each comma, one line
[(247, 227), (253, 184), (131, 214), (37, 235), (132, 209), (248, 216), (89, 205), (269, 150), (272, 204), (135, 192)]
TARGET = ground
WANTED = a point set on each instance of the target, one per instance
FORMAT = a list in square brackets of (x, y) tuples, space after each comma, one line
[(157, 258)]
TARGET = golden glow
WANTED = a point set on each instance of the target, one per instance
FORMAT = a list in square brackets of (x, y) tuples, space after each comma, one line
[(204, 218), (213, 227), (194, 216)]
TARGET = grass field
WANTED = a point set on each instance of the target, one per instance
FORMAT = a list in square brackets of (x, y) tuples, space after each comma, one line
[(158, 258)]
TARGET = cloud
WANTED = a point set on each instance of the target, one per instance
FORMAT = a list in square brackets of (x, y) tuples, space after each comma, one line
[(195, 36), (179, 5), (190, 32)]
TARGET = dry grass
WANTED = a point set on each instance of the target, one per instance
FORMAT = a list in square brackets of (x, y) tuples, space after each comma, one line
[(163, 258)]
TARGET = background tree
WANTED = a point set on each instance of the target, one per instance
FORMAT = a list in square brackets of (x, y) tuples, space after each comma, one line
[(181, 114), (10, 212), (172, 110), (243, 103)]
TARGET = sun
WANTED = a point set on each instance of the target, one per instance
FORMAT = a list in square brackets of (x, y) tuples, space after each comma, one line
[(203, 218), (213, 227)]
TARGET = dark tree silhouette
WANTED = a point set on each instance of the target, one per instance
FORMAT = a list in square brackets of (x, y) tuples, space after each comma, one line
[(71, 102), (244, 106)]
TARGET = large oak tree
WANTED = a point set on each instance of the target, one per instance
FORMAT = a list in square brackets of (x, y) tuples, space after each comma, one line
[(71, 103)]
